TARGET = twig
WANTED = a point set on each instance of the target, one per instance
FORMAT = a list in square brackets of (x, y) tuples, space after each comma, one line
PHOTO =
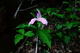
[(29, 8), (17, 10), (36, 45), (21, 46), (76, 42), (60, 7), (31, 1)]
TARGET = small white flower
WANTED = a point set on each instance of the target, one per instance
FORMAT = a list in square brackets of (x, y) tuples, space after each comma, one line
[(39, 18)]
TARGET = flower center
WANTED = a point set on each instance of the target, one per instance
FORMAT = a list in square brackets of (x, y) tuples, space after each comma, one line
[(38, 19)]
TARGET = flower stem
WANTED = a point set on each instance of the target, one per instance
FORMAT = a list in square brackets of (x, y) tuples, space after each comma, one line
[(36, 45)]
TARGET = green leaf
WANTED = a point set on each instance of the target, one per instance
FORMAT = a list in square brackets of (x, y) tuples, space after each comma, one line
[(79, 26), (77, 2), (59, 34), (39, 24), (29, 34), (78, 9), (21, 31), (44, 37), (17, 38), (55, 10), (66, 39), (32, 26), (28, 43), (42, 10), (44, 14), (74, 16), (22, 25), (47, 32), (68, 9), (59, 26), (48, 10), (25, 25), (75, 24), (53, 13), (59, 15), (66, 2), (69, 25), (33, 14)]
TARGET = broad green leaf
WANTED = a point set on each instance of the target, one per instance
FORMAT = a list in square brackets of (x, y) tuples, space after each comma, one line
[(59, 15), (59, 34), (68, 9), (48, 10), (47, 32), (74, 16), (17, 38), (69, 25), (55, 10), (66, 2), (43, 36), (53, 13), (66, 39), (75, 24), (59, 26), (42, 10), (25, 25), (32, 26), (77, 2), (22, 25), (21, 31), (29, 34)]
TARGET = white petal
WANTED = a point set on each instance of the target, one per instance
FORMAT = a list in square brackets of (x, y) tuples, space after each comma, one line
[(43, 20), (38, 14), (32, 21)]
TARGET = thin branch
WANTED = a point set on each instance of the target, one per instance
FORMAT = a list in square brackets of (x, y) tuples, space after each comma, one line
[(36, 45), (28, 8), (31, 1), (21, 46), (60, 8), (17, 10)]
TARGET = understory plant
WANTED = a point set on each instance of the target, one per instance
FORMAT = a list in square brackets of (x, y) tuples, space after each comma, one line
[(55, 24), (30, 30)]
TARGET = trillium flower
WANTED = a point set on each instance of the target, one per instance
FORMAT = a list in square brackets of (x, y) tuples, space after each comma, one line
[(39, 18)]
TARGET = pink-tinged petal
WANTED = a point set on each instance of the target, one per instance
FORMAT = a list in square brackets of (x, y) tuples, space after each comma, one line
[(32, 21), (38, 14), (43, 20)]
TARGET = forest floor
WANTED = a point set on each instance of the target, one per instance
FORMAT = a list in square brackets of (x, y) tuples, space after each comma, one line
[(72, 47)]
